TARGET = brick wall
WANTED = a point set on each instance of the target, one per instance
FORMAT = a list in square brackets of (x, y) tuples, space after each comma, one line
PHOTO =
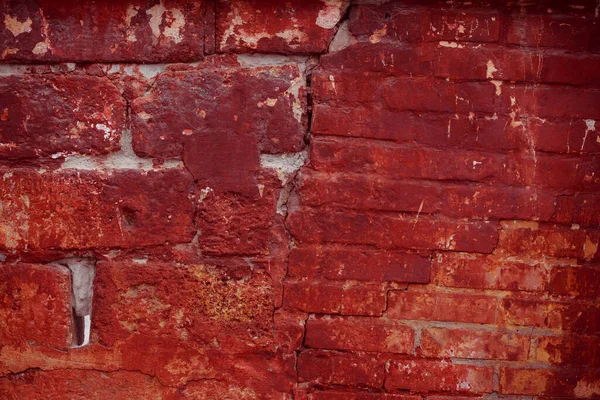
[(299, 200)]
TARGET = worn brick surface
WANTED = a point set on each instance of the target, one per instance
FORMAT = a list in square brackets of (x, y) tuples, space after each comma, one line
[(321, 199)]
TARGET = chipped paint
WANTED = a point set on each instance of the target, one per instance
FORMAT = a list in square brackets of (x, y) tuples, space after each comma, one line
[(15, 27), (175, 21), (489, 74), (378, 35), (451, 45), (331, 14)]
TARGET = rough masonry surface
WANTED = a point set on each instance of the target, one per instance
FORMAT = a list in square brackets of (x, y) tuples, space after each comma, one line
[(309, 200)]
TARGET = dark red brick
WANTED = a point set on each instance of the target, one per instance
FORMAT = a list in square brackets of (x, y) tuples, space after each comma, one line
[(575, 281), (463, 343), (581, 209), (341, 87), (386, 22), (346, 263), (51, 116), (423, 376), (392, 231), (236, 113), (267, 27), (332, 395), (548, 241), (579, 317), (335, 298), (462, 24), (35, 305), (578, 383), (74, 209), (138, 31), (359, 334), (479, 271), (571, 349), (405, 162), (441, 306), (332, 368)]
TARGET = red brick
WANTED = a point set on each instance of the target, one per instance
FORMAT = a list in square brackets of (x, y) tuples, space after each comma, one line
[(393, 59), (332, 368), (251, 218), (471, 25), (581, 209), (373, 192), (140, 31), (566, 174), (56, 115), (548, 241), (335, 298), (331, 395), (35, 305), (265, 27), (75, 384), (237, 112), (346, 263), (423, 376), (579, 317), (573, 136), (84, 209), (421, 95), (160, 300), (575, 281), (405, 162), (489, 272), (462, 343), (290, 326), (474, 308), (572, 349), (553, 31), (566, 102), (577, 383), (359, 334), (346, 87), (392, 231), (388, 22)]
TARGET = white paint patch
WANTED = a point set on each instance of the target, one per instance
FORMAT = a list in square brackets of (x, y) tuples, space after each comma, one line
[(590, 126), (331, 14), (451, 45), (489, 74), (40, 48), (107, 131), (286, 164), (342, 39), (15, 27), (498, 85), (173, 29)]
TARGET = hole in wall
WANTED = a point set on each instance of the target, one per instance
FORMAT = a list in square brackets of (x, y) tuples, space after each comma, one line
[(83, 271)]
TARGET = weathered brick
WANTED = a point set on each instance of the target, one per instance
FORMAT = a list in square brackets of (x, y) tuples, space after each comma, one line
[(405, 162), (581, 209), (393, 59), (72, 383), (137, 30), (35, 305), (392, 231), (251, 217), (346, 263), (571, 349), (359, 334), (561, 136), (333, 395), (571, 382), (198, 303), (333, 368), (299, 27), (575, 281), (74, 209), (466, 24), (579, 317), (549, 241), (290, 326), (551, 30), (341, 87), (51, 116), (386, 22), (423, 376), (335, 298), (236, 113), (489, 272), (441, 306), (462, 343)]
